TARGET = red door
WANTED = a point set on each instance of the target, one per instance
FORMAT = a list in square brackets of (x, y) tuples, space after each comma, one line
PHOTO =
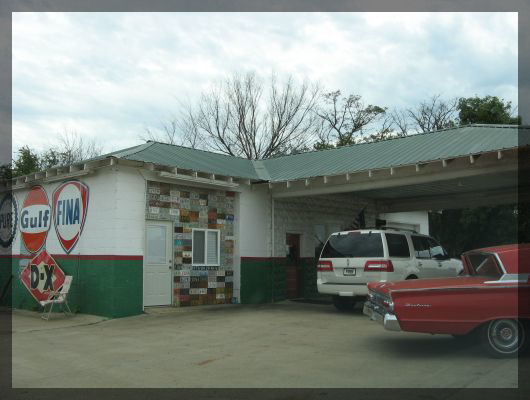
[(293, 264)]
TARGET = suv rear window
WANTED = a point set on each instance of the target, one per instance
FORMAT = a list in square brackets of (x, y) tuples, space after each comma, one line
[(354, 244), (397, 245)]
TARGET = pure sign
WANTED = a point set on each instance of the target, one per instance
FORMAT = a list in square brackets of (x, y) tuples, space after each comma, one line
[(70, 204), (8, 219), (41, 275), (35, 219)]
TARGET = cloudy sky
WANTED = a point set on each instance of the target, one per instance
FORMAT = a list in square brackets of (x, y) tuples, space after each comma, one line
[(108, 76)]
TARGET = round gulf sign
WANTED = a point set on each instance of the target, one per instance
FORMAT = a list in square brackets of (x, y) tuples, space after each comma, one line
[(35, 219), (70, 204), (8, 219)]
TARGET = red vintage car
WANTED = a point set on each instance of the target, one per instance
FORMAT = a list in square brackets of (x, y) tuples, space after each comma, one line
[(491, 299)]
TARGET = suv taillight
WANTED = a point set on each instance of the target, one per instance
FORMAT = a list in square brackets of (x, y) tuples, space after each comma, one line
[(379, 265), (324, 266)]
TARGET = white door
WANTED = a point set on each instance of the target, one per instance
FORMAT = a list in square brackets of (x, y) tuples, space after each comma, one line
[(157, 263)]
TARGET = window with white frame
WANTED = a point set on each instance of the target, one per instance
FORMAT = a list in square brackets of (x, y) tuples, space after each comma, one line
[(205, 247)]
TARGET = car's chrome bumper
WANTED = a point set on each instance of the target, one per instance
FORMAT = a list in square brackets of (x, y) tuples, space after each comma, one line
[(388, 320)]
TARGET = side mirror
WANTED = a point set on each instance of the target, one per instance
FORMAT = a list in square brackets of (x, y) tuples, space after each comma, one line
[(441, 257)]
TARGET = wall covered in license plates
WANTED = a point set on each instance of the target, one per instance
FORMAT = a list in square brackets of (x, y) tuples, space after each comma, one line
[(189, 208)]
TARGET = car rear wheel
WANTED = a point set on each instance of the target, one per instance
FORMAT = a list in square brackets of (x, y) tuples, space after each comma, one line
[(504, 338), (343, 303)]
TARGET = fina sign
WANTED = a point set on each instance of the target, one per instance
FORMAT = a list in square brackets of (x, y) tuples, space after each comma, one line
[(70, 204), (8, 219), (35, 219)]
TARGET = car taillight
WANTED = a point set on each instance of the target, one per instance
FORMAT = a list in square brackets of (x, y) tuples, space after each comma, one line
[(324, 266), (389, 304), (379, 265)]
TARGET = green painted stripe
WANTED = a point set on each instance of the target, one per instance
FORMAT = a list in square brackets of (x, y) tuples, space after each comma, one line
[(263, 280), (110, 288)]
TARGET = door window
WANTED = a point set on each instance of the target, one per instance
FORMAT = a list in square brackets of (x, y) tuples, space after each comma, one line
[(436, 250), (397, 245), (156, 244), (421, 247)]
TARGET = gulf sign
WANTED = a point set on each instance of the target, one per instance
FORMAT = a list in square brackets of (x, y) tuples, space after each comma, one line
[(70, 205), (41, 275), (35, 219)]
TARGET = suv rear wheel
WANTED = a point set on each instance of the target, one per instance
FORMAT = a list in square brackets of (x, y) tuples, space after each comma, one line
[(343, 303)]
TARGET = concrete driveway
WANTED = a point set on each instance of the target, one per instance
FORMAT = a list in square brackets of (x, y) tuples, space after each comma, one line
[(282, 345)]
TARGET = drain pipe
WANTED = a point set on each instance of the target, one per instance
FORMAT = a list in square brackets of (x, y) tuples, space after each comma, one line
[(272, 249)]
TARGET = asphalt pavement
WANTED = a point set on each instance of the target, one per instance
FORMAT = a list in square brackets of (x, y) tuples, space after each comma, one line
[(282, 345)]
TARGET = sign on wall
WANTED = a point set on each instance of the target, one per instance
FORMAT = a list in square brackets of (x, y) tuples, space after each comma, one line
[(35, 219), (41, 275), (8, 219), (70, 204)]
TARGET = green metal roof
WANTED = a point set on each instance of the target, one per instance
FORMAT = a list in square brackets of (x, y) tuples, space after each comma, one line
[(192, 159), (413, 149)]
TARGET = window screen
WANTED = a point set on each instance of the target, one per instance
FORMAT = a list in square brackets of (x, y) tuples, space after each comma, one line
[(212, 255), (421, 246), (397, 245), (354, 244), (198, 247)]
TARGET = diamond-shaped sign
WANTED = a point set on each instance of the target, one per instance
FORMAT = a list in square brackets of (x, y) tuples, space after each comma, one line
[(41, 275)]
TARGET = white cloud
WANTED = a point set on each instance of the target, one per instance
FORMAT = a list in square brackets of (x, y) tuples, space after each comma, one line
[(109, 75)]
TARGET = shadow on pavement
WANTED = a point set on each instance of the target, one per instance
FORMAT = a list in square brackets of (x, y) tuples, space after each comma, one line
[(426, 346)]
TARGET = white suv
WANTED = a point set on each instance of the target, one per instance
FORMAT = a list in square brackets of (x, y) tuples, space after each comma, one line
[(351, 259)]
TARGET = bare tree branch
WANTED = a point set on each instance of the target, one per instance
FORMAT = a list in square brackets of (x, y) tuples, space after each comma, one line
[(433, 114), (244, 117)]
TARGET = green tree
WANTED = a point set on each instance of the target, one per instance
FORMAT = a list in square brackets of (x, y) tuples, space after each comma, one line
[(486, 110), (345, 120), (465, 229), (26, 162)]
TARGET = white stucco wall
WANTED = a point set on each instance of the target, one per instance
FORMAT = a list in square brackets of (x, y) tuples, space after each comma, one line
[(294, 215), (419, 220), (301, 214), (113, 225), (255, 222)]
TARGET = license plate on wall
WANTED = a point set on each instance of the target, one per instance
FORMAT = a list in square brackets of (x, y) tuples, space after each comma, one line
[(349, 271)]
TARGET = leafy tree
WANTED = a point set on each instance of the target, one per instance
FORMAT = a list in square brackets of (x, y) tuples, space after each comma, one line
[(26, 162), (465, 229), (71, 148), (486, 110), (344, 119)]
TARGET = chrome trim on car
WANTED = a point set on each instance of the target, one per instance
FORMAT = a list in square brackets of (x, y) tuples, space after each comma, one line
[(499, 262), (512, 278), (389, 321), (453, 288)]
